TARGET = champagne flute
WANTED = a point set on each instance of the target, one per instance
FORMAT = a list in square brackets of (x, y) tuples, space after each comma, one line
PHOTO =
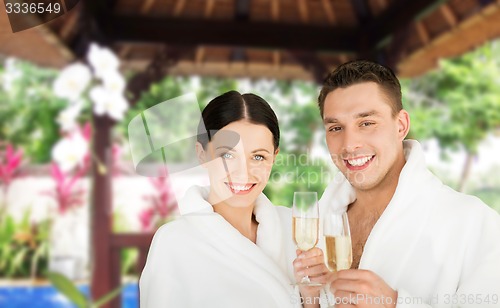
[(338, 241), (305, 224)]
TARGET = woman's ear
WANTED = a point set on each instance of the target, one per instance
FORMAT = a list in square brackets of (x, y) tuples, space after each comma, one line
[(403, 124), (276, 154), (201, 153)]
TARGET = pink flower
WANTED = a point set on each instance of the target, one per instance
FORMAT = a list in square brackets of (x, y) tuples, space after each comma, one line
[(162, 204), (65, 195), (146, 218), (10, 161)]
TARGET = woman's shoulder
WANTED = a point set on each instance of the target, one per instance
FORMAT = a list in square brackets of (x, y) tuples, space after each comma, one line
[(172, 230)]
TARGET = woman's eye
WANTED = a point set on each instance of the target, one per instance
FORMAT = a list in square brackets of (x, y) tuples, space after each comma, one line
[(258, 157), (227, 156)]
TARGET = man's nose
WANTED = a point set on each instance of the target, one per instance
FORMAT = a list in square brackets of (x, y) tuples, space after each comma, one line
[(351, 141)]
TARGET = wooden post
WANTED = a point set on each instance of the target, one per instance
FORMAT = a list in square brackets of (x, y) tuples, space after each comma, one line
[(101, 207)]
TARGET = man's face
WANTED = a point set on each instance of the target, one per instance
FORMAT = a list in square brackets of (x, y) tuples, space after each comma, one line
[(363, 137)]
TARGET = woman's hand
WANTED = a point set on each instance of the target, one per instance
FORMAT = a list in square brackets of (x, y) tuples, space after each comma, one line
[(311, 263)]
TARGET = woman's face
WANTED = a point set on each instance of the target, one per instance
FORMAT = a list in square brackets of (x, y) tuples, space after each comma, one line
[(239, 159)]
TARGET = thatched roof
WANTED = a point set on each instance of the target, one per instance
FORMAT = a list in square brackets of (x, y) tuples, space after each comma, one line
[(283, 39)]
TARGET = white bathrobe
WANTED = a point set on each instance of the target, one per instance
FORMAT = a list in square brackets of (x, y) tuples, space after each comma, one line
[(200, 260), (435, 246)]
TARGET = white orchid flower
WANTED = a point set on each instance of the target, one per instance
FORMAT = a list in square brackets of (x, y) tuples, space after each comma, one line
[(102, 60), (114, 82), (67, 117), (11, 74), (70, 151), (72, 81), (108, 102)]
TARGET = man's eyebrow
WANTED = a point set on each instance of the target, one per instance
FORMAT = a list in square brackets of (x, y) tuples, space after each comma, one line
[(367, 114), (364, 114), (328, 120)]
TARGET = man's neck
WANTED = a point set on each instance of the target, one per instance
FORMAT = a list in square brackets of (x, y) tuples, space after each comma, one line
[(377, 198)]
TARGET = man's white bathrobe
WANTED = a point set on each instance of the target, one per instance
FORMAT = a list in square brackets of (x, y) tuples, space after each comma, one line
[(431, 244), (200, 260)]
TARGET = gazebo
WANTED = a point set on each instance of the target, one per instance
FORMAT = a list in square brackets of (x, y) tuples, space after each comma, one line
[(282, 39)]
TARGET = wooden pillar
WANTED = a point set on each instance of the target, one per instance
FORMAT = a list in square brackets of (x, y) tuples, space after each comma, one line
[(101, 207)]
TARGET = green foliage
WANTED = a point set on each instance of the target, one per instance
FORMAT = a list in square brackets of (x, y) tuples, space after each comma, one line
[(70, 290), (23, 247), (28, 111), (459, 104), (296, 173)]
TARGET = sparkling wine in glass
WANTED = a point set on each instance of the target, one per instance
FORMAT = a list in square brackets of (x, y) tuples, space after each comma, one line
[(337, 234), (305, 224)]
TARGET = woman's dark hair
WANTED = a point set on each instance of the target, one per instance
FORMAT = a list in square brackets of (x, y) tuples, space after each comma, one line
[(233, 106)]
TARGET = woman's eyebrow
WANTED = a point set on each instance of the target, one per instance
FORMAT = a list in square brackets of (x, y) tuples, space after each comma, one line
[(261, 150)]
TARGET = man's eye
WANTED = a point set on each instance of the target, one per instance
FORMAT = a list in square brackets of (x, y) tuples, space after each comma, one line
[(334, 129), (367, 123)]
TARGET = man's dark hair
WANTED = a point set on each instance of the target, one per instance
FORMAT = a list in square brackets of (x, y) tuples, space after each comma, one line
[(359, 71)]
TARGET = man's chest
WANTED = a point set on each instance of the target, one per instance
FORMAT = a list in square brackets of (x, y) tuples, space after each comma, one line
[(361, 226)]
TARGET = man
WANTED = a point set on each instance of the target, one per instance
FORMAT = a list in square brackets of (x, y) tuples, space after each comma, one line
[(416, 242)]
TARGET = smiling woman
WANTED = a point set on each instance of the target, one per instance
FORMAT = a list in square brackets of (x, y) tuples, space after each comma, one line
[(235, 249)]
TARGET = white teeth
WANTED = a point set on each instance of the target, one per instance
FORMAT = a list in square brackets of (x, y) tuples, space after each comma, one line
[(240, 187), (359, 162)]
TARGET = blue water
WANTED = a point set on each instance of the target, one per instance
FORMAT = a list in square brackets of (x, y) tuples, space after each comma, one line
[(48, 297)]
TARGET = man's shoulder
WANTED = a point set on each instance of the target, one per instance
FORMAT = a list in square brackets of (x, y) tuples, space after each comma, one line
[(463, 204)]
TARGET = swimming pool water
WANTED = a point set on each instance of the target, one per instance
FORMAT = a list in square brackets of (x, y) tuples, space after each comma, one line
[(49, 297)]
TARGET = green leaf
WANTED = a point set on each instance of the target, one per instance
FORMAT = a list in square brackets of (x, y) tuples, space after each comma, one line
[(68, 289), (106, 298)]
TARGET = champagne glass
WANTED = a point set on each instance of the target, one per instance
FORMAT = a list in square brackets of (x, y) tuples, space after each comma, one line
[(338, 241), (305, 224)]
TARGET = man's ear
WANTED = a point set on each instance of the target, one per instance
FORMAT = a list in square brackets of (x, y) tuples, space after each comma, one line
[(201, 153), (403, 124)]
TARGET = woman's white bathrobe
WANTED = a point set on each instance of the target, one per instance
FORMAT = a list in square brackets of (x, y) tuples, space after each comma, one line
[(200, 260), (432, 244)]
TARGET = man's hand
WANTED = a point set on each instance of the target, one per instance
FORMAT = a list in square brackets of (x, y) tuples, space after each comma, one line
[(362, 288)]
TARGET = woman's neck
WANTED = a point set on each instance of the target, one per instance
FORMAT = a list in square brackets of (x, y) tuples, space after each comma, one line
[(241, 218)]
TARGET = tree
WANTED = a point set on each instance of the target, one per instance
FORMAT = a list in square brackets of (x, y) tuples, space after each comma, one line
[(459, 104)]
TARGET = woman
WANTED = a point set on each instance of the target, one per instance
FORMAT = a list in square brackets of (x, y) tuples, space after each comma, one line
[(235, 250)]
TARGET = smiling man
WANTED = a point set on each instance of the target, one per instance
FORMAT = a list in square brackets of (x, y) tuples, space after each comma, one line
[(416, 242)]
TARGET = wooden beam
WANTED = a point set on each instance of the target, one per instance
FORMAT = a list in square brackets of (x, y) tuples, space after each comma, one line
[(146, 6), (313, 64), (362, 10), (68, 26), (179, 7), (228, 33), (448, 15), (124, 51), (242, 10), (131, 240), (422, 32), (303, 11), (399, 15), (209, 7), (275, 10), (200, 54), (330, 13), (276, 58), (382, 3)]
